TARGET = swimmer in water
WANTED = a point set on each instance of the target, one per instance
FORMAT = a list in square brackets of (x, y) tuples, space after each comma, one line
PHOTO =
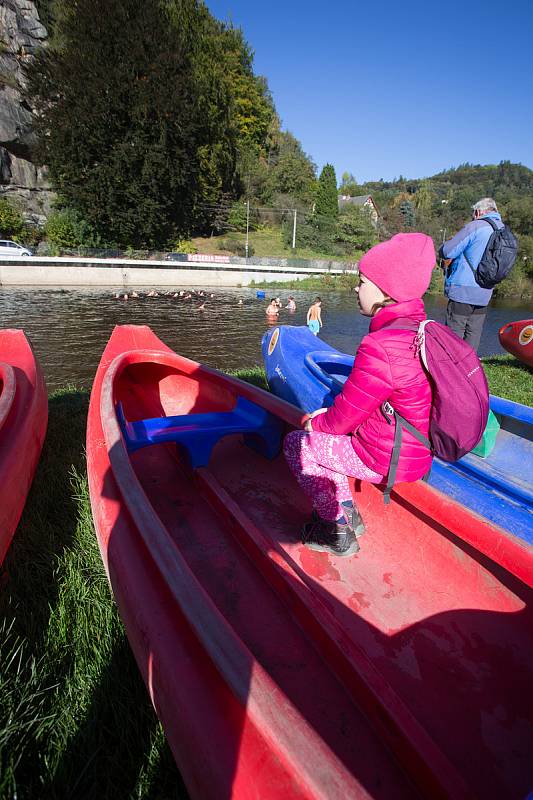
[(314, 318), (272, 310)]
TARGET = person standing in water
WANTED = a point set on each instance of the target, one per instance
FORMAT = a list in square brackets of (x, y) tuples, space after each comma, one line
[(314, 318), (272, 309), (291, 305)]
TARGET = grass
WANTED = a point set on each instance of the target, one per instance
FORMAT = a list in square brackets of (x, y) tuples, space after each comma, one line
[(255, 375), (75, 718), (339, 283), (266, 243), (509, 378)]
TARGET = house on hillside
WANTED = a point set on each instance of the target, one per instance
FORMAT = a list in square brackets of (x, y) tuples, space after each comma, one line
[(364, 200)]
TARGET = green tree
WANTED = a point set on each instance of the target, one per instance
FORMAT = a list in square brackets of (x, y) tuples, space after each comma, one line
[(327, 203), (408, 213), (518, 214), (133, 115), (354, 229), (291, 173), (11, 220), (424, 199)]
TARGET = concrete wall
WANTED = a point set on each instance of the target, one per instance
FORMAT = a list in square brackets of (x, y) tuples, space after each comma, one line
[(123, 273)]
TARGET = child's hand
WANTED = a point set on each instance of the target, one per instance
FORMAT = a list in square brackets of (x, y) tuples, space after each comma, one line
[(307, 423)]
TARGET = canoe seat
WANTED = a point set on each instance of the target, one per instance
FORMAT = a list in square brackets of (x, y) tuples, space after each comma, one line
[(198, 433)]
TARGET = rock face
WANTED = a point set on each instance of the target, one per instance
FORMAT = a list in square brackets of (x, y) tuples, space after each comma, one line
[(21, 34)]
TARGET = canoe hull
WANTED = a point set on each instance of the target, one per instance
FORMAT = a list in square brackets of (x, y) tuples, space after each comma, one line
[(493, 487), (23, 421), (517, 339), (281, 672)]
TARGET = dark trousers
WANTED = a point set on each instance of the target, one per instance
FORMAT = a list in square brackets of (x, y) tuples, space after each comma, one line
[(466, 321)]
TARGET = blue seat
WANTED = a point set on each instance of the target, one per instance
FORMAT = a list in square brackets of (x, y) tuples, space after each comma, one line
[(198, 433)]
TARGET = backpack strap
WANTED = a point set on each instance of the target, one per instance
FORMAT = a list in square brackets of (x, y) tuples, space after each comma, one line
[(491, 223), (401, 423), (494, 228)]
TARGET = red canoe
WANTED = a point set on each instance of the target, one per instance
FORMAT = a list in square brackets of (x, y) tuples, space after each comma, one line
[(23, 419), (517, 339), (279, 672)]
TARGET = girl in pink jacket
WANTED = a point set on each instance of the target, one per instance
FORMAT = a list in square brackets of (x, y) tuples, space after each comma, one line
[(354, 437)]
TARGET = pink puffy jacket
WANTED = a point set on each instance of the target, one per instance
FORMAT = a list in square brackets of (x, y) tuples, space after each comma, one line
[(387, 367)]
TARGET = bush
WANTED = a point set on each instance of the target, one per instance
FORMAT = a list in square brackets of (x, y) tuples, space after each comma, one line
[(67, 228), (315, 233), (184, 246), (238, 247), (237, 217), (525, 254), (11, 220), (518, 283)]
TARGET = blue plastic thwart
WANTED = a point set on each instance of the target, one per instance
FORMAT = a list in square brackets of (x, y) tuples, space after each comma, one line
[(199, 433)]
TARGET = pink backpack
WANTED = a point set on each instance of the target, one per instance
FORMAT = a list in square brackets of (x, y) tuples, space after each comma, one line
[(460, 406)]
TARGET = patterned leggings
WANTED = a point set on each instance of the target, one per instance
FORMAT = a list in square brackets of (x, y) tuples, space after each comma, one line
[(320, 462)]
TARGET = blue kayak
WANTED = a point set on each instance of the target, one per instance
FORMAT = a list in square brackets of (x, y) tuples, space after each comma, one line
[(498, 487)]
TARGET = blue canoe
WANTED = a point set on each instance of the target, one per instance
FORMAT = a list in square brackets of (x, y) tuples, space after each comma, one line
[(309, 373)]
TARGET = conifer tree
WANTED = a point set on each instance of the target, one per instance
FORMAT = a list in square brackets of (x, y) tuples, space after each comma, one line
[(327, 204), (133, 116)]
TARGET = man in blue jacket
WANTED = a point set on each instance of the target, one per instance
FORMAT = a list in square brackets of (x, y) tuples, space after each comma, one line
[(467, 301)]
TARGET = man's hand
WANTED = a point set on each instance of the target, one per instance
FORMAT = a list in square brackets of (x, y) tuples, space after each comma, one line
[(307, 423)]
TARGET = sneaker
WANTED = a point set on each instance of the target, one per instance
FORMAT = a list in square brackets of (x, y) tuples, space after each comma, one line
[(352, 515), (330, 537), (354, 519)]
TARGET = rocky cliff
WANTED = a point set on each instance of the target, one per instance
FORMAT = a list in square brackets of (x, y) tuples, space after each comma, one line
[(21, 34)]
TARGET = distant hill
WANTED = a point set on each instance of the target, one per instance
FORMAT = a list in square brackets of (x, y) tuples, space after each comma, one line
[(442, 203), (461, 185)]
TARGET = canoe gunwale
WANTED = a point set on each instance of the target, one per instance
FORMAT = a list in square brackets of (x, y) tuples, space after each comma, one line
[(23, 423), (7, 397)]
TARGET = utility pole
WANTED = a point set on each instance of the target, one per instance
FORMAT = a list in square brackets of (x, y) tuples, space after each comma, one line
[(294, 230), (247, 225)]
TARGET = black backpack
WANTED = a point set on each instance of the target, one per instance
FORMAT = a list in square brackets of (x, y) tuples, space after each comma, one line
[(498, 258)]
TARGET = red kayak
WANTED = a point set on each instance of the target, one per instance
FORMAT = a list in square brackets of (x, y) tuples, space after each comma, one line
[(23, 420), (277, 671), (517, 339)]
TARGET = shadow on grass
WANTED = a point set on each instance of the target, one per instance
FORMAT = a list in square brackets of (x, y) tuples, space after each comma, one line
[(508, 361), (75, 717), (118, 750), (48, 523)]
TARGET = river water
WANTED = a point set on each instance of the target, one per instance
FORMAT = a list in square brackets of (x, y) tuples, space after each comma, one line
[(69, 328)]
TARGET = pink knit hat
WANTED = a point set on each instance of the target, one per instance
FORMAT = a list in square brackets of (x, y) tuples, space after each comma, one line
[(401, 266)]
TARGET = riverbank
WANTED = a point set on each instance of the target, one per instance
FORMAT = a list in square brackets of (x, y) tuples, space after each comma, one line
[(510, 289), (322, 283), (75, 718)]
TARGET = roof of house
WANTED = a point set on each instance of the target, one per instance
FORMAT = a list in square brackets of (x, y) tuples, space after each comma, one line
[(359, 200)]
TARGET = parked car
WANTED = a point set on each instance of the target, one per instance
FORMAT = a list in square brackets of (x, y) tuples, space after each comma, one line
[(8, 248)]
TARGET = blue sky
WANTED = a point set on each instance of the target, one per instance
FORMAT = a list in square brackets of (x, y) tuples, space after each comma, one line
[(386, 88)]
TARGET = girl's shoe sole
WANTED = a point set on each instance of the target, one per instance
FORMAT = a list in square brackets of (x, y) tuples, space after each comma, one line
[(322, 548)]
